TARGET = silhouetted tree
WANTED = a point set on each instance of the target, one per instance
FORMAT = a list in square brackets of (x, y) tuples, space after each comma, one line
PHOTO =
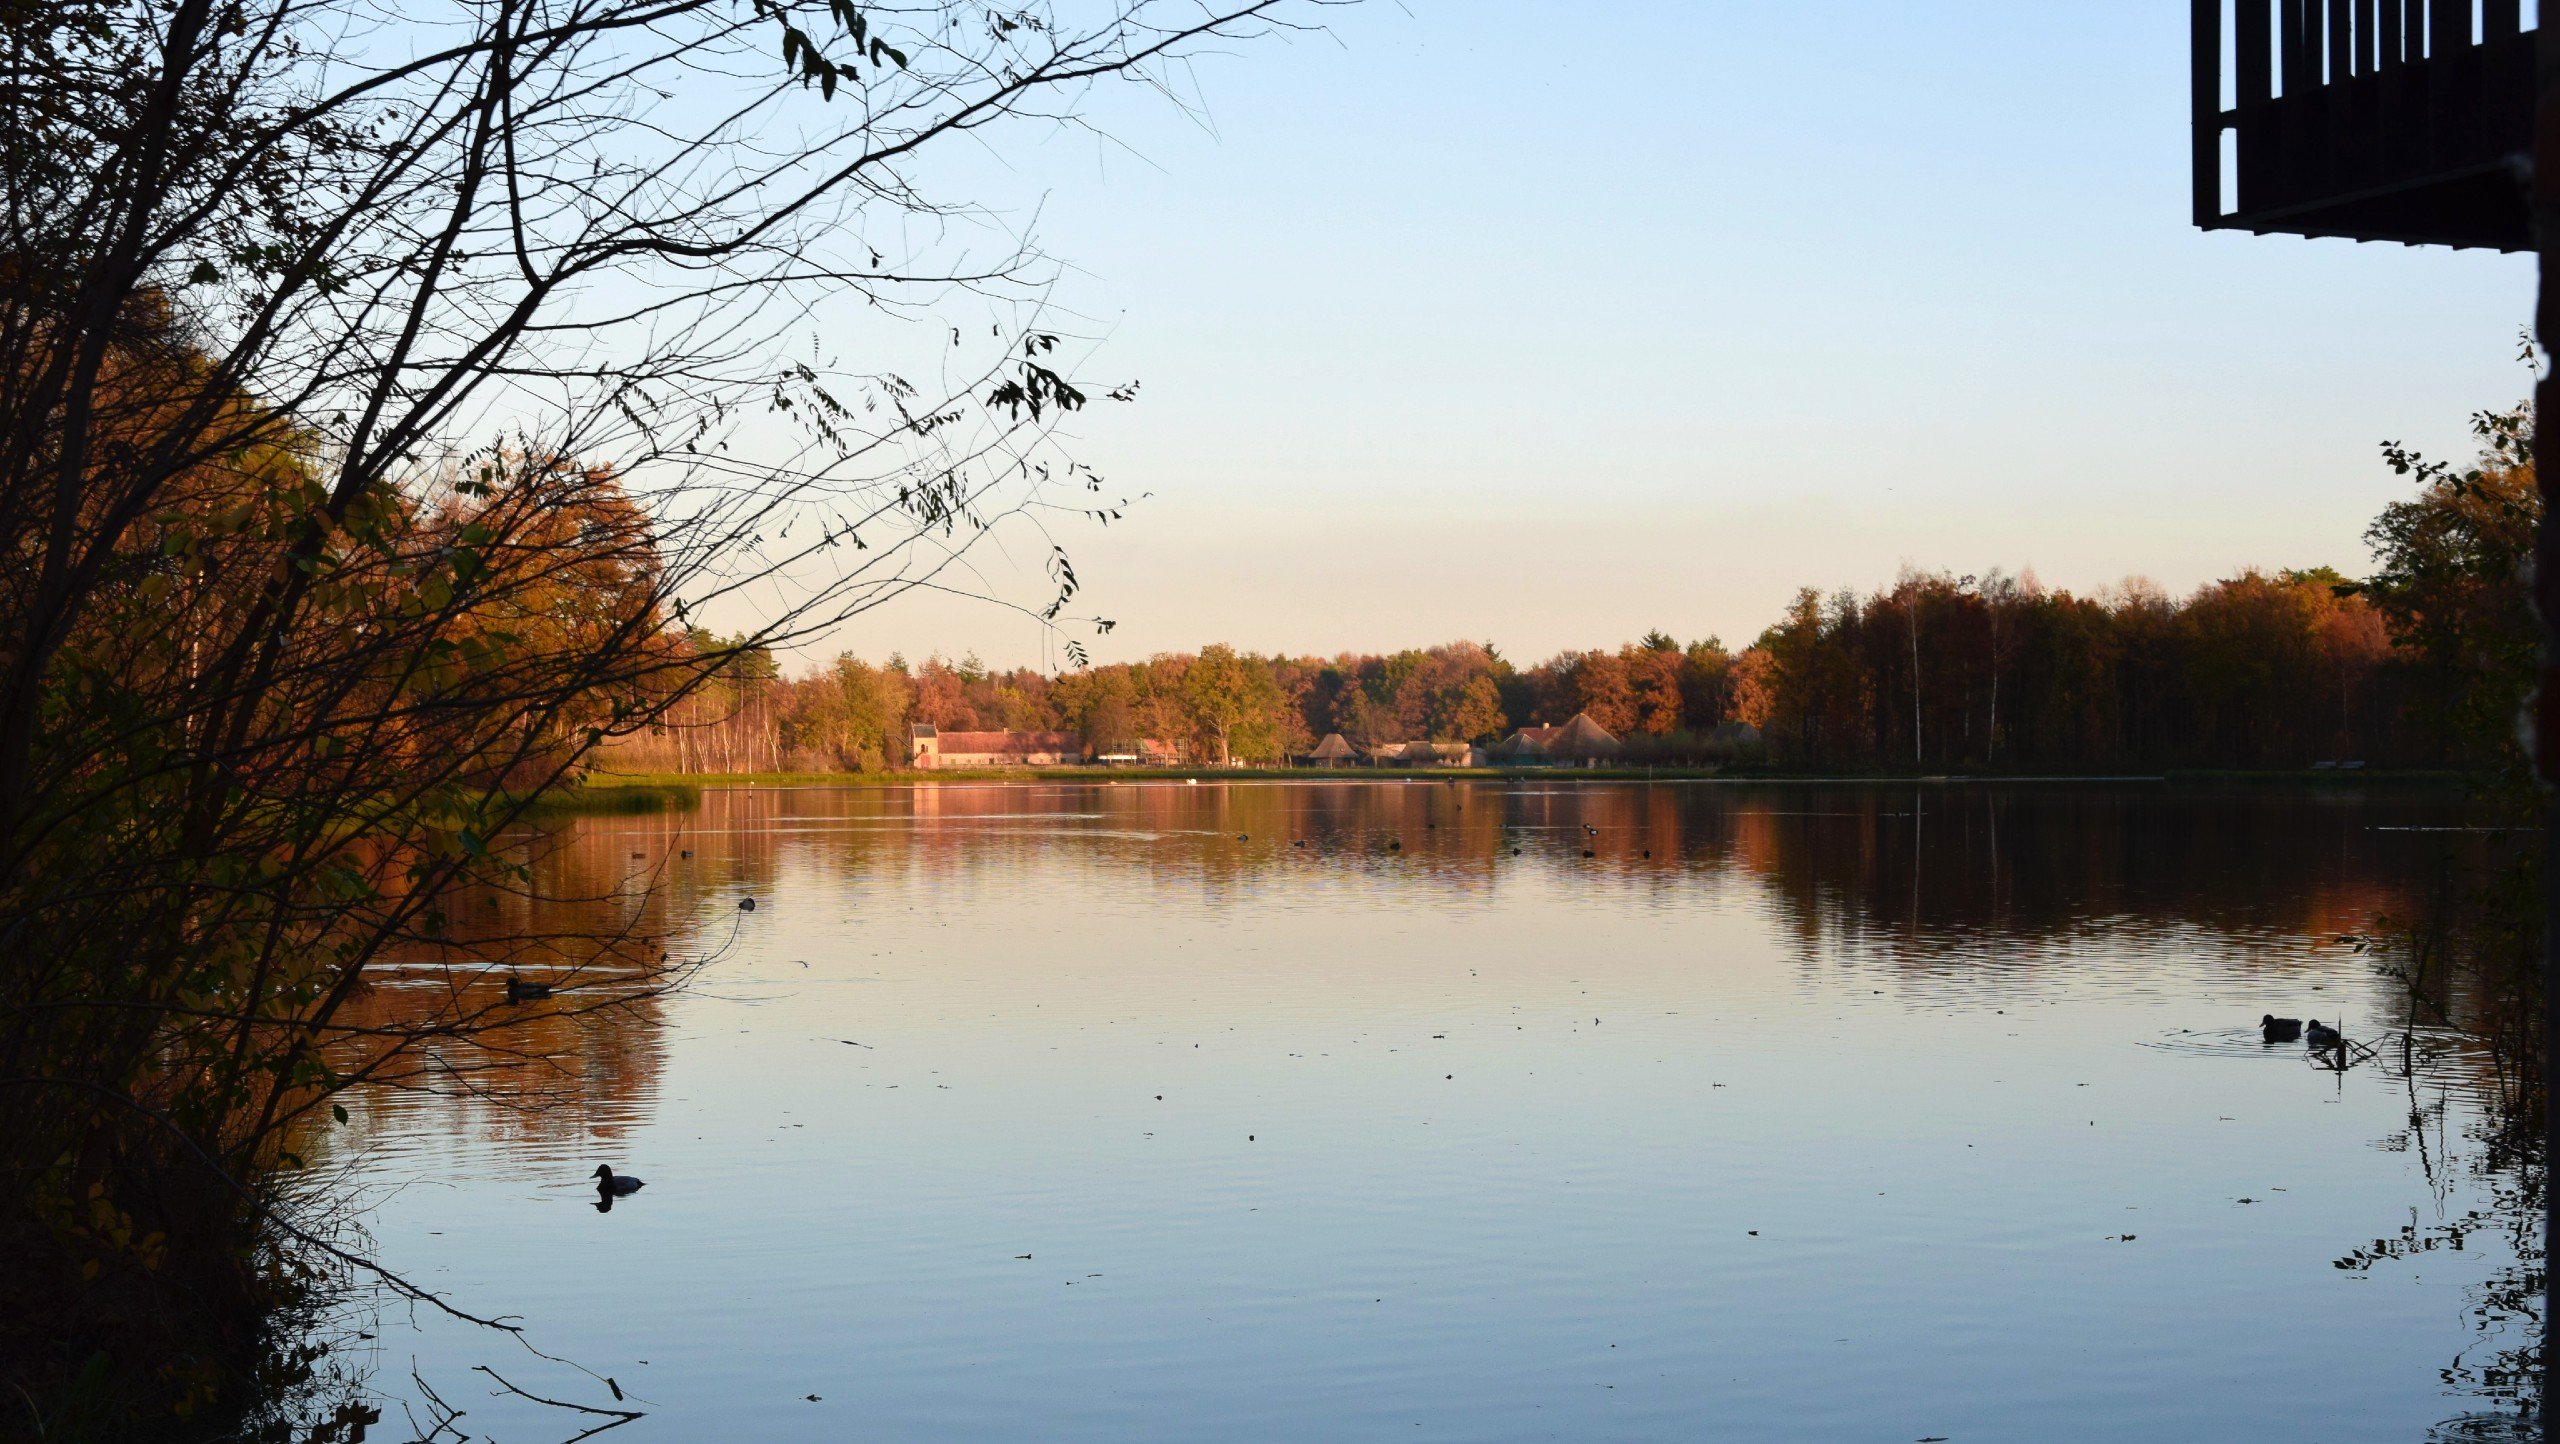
[(384, 396)]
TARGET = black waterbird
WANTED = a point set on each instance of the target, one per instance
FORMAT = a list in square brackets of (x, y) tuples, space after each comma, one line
[(2320, 1035), (2280, 1030), (615, 1185), (520, 991)]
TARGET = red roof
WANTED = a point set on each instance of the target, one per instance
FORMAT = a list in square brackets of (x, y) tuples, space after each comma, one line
[(1014, 742)]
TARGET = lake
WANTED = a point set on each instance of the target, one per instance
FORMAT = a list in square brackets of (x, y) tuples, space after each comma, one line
[(1458, 1111)]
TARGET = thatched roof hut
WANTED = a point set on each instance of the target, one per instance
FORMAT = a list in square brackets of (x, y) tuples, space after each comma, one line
[(1582, 740), (1333, 751)]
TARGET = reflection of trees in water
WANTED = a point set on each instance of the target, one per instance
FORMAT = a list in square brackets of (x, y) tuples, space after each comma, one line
[(1929, 877), (602, 914), (2501, 1365), (1913, 873), (1904, 870), (2468, 963), (1932, 879)]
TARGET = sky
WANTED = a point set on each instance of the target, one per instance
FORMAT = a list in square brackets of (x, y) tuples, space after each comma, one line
[(1546, 326)]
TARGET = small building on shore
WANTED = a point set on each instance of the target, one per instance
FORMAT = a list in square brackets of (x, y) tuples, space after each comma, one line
[(1582, 740), (1421, 754), (930, 748), (1141, 752), (1333, 751), (1578, 741)]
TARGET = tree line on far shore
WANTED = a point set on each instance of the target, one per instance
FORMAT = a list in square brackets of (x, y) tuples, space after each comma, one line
[(2423, 662)]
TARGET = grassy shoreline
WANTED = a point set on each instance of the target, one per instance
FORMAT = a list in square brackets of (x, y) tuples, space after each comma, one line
[(617, 796), (658, 791)]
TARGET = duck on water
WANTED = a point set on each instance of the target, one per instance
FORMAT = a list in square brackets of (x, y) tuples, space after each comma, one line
[(615, 1185), (2293, 1030)]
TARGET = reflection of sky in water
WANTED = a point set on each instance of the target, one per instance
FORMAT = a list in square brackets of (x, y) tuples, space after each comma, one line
[(1454, 1144)]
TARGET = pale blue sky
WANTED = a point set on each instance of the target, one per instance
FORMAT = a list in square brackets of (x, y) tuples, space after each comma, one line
[(1547, 325)]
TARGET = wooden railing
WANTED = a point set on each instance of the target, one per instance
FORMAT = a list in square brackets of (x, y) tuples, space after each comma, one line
[(2396, 120)]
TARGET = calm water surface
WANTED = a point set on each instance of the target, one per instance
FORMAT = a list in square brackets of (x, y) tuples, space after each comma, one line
[(1789, 1113)]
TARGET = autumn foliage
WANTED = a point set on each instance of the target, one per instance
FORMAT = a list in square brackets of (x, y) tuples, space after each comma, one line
[(2420, 665)]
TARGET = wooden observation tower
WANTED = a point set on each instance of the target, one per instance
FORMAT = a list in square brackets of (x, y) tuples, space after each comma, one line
[(2373, 120), (2422, 122)]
